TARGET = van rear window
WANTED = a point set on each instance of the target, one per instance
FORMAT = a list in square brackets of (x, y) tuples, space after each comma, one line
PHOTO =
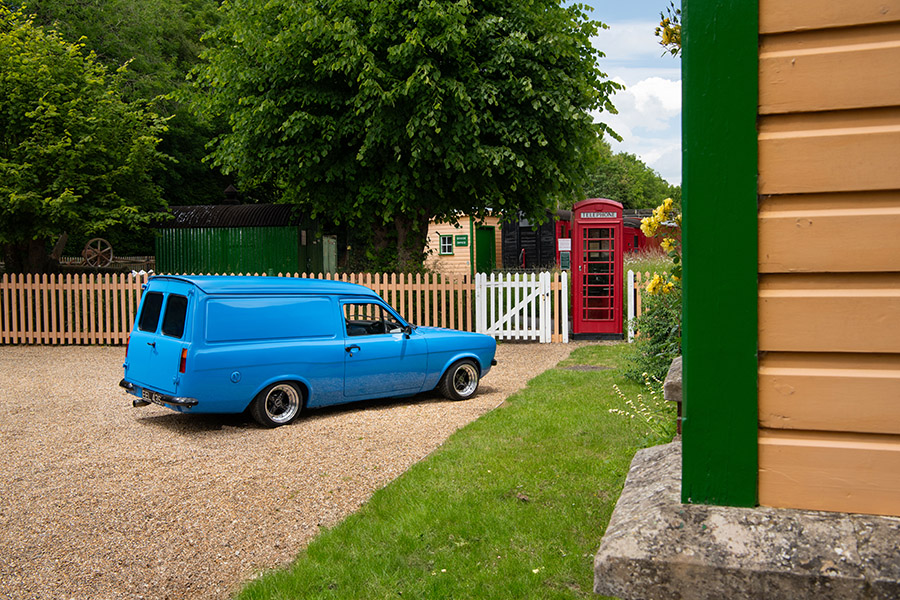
[(173, 321), (150, 312), (270, 318)]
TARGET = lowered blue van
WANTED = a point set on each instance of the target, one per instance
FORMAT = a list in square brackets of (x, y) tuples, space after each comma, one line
[(275, 345)]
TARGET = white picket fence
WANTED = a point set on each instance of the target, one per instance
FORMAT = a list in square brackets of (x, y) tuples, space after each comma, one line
[(521, 306), (633, 293)]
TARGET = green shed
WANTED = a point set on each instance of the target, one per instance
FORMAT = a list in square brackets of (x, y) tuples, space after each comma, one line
[(242, 238)]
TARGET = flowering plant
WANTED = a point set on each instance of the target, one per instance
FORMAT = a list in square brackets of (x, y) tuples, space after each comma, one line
[(669, 30), (649, 407), (659, 324), (665, 222)]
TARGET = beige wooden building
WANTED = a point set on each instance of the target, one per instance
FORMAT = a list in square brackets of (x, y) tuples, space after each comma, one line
[(455, 249)]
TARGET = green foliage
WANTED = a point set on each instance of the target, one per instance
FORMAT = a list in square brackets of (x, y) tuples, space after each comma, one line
[(512, 506), (659, 324), (159, 40), (625, 178), (650, 408), (386, 113), (74, 156), (659, 336)]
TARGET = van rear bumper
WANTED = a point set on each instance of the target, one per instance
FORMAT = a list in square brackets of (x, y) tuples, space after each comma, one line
[(155, 397)]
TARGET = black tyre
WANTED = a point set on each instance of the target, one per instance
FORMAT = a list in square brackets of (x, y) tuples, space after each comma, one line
[(278, 404), (460, 382)]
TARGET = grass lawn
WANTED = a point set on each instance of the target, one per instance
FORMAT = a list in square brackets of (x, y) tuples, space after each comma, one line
[(512, 506), (648, 261)]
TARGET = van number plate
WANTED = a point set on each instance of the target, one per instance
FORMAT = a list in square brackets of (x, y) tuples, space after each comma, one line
[(153, 397)]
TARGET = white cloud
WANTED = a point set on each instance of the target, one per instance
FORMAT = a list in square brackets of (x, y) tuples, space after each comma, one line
[(629, 41), (649, 108), (657, 94), (649, 122)]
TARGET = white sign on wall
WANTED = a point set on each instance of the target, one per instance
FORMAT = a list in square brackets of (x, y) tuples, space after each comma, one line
[(564, 244)]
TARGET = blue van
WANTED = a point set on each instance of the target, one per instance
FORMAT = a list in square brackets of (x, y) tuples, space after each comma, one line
[(275, 345)]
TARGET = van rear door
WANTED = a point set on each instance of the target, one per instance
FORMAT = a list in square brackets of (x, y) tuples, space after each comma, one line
[(159, 336)]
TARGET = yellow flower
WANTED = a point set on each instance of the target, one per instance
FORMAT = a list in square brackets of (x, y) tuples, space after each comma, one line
[(653, 285), (668, 244)]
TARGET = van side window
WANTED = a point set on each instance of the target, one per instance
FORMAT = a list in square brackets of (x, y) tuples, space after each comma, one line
[(369, 319), (150, 313), (173, 321)]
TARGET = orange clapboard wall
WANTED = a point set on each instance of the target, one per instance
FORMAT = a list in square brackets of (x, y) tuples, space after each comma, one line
[(829, 255)]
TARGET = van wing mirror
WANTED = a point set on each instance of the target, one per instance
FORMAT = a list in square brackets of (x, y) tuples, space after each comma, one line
[(407, 330)]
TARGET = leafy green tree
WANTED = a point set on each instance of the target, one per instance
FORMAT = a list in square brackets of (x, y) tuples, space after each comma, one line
[(383, 114), (159, 40), (625, 178), (73, 155)]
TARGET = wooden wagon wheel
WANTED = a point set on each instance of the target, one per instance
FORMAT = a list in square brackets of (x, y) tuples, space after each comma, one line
[(97, 253)]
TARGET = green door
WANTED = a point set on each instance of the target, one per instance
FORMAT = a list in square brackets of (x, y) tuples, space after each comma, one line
[(485, 250)]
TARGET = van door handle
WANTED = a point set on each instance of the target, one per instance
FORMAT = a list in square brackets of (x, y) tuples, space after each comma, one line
[(352, 349), (152, 344)]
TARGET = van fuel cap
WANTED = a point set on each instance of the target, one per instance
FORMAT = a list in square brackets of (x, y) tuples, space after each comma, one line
[(235, 377)]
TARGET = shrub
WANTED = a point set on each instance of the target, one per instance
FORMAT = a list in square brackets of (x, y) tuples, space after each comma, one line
[(659, 325), (659, 336)]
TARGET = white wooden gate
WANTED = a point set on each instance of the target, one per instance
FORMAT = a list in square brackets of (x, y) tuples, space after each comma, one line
[(517, 306)]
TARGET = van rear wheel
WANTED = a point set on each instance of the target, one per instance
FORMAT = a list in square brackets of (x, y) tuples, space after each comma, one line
[(278, 404)]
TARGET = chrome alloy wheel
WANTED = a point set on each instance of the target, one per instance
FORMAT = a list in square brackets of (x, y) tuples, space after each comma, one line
[(282, 403), (465, 379)]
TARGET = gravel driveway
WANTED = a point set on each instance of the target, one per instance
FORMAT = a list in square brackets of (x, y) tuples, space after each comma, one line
[(101, 500)]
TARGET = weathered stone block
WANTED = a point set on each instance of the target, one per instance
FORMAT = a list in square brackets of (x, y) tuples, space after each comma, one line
[(672, 389), (657, 548), (672, 384)]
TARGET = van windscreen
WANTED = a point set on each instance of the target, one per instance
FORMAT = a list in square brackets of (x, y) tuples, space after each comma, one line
[(173, 321), (150, 312)]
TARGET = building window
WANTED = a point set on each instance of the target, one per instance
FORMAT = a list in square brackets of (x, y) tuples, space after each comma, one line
[(446, 244)]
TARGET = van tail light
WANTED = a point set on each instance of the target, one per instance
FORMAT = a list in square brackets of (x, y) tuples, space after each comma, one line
[(183, 365), (127, 341)]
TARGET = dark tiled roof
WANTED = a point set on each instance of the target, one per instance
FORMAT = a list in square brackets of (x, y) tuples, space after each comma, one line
[(230, 215)]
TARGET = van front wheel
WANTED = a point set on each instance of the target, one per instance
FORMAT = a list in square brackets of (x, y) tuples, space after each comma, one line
[(278, 404), (460, 381)]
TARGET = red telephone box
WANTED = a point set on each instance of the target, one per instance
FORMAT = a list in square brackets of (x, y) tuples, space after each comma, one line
[(597, 286)]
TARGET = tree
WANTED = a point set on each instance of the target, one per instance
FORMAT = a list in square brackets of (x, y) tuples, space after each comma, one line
[(384, 114), (625, 178), (160, 42), (73, 155)]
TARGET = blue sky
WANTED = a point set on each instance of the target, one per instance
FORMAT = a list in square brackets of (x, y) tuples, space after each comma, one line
[(649, 108)]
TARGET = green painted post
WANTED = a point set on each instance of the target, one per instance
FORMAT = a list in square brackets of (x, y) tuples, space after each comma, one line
[(472, 247), (720, 78)]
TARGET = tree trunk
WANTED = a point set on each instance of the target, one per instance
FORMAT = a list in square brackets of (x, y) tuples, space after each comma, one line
[(397, 245), (412, 233), (26, 257)]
